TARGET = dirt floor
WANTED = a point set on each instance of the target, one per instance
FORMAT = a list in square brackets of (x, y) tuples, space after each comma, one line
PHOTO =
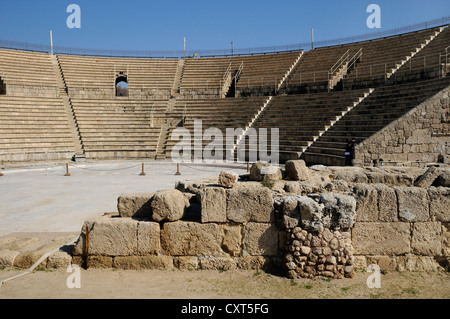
[(201, 284)]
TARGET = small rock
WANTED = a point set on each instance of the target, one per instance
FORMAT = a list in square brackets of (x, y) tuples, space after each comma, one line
[(305, 250), (227, 179)]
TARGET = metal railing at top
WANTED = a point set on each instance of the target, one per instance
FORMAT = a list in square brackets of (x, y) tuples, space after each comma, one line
[(379, 72), (168, 54)]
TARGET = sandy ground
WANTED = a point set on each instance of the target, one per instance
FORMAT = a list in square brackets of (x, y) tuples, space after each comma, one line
[(38, 200), (42, 199), (202, 284)]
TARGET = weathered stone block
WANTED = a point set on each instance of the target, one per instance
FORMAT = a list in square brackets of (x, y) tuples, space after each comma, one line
[(262, 171), (186, 263), (148, 234), (427, 179), (144, 262), (191, 239), (232, 239), (214, 205), (381, 238), (386, 263), (109, 237), (416, 263), (366, 203), (439, 204), (297, 170), (60, 259), (255, 262), (290, 211), (260, 239), (217, 263), (426, 239), (7, 258), (250, 205), (446, 239), (414, 201), (168, 205), (387, 203), (135, 205)]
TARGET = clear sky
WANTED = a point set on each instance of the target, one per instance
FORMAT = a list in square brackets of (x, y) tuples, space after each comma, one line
[(162, 25)]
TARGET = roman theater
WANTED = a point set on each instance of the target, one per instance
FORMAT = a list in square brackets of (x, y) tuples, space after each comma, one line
[(88, 176)]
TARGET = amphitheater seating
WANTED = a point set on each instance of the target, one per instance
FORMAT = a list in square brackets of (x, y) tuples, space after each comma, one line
[(202, 77), (163, 93), (34, 129), (119, 127), (149, 75), (215, 113), (378, 59), (27, 69), (300, 118), (382, 107), (430, 59)]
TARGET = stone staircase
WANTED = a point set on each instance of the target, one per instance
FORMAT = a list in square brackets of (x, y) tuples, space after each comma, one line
[(392, 71), (178, 78), (63, 94)]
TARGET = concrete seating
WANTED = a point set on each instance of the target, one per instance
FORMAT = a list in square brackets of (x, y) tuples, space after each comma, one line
[(34, 129), (383, 106), (119, 128), (94, 77), (27, 74)]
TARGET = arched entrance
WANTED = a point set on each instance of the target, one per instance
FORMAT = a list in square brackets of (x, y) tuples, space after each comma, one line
[(121, 86)]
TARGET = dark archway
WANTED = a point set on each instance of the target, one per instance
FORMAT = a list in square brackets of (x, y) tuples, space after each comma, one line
[(121, 86), (2, 87)]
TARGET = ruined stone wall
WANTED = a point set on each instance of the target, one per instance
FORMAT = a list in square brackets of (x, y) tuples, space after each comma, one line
[(327, 221), (419, 137)]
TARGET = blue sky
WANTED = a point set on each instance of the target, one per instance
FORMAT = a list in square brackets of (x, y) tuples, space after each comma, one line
[(162, 25)]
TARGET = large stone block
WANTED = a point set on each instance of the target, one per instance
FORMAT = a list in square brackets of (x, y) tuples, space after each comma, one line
[(135, 205), (169, 205), (381, 238), (297, 170), (412, 204), (387, 203), (262, 171), (260, 239), (250, 205), (446, 239), (427, 179), (191, 239), (417, 263), (144, 262), (148, 234), (232, 239), (439, 204), (109, 237), (366, 203), (426, 239), (214, 205)]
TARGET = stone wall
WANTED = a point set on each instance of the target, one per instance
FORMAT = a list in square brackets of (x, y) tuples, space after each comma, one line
[(419, 137), (320, 221), (28, 90), (162, 230)]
